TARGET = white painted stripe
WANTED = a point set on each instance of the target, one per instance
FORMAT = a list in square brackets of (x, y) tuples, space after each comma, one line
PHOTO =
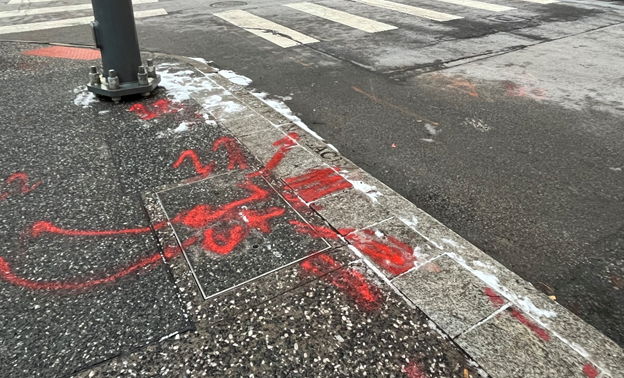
[(479, 5), (272, 32), (357, 22), (26, 2), (414, 11), (64, 8), (542, 1), (69, 22)]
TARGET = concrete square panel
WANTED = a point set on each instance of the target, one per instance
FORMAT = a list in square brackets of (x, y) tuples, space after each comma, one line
[(233, 229)]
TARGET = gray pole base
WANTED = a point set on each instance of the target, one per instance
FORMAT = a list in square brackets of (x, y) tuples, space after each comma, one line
[(125, 89)]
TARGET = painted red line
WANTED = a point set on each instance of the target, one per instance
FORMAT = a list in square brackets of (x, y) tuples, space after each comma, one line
[(224, 242), (494, 297), (43, 227), (590, 370), (318, 183), (351, 282), (285, 144), (7, 274), (202, 216), (200, 169), (65, 52), (236, 158), (414, 370), (388, 252), (21, 179)]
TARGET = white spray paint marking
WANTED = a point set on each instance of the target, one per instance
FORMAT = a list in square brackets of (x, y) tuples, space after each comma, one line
[(371, 191), (235, 78), (84, 98), (492, 281), (284, 110)]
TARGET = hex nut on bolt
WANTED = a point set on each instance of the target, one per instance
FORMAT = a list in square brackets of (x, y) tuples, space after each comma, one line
[(151, 69), (113, 79), (94, 76), (142, 76)]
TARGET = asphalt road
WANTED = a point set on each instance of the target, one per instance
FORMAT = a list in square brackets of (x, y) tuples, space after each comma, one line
[(505, 125)]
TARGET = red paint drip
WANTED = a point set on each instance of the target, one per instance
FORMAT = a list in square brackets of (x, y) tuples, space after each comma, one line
[(414, 370), (200, 169), (236, 158), (43, 227), (493, 296), (318, 183), (351, 282), (590, 370), (156, 109), (388, 252), (20, 182), (498, 301), (537, 330), (285, 144), (7, 274)]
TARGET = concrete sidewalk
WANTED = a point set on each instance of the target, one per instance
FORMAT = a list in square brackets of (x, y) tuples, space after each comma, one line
[(206, 231)]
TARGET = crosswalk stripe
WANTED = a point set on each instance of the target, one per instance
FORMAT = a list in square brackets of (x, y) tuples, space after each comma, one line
[(272, 32), (542, 1), (480, 5), (414, 11), (69, 22), (26, 2), (64, 8), (357, 22)]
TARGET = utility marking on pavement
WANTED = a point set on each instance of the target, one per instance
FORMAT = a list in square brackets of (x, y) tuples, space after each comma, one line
[(65, 53), (408, 9), (263, 28), (59, 9), (357, 22), (480, 5), (20, 28)]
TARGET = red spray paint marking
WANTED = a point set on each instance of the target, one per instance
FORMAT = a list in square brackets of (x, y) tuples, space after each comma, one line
[(318, 183), (235, 154), (151, 261), (494, 297), (388, 252), (43, 227), (202, 216), (414, 370), (349, 281), (200, 169), (20, 182), (225, 242), (156, 109), (285, 144), (518, 315), (590, 370)]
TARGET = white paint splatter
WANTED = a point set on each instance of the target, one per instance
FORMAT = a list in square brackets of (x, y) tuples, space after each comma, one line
[(428, 140), (616, 169), (431, 130), (235, 78), (284, 110), (182, 84), (84, 98)]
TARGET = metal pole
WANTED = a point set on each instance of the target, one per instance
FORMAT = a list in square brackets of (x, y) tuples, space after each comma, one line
[(115, 34)]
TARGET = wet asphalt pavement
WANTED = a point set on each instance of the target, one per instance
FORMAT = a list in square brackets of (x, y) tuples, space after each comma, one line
[(506, 127)]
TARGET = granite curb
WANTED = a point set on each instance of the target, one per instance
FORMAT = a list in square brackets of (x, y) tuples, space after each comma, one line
[(508, 326)]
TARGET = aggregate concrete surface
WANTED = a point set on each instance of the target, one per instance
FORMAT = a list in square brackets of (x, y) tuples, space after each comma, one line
[(83, 273)]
